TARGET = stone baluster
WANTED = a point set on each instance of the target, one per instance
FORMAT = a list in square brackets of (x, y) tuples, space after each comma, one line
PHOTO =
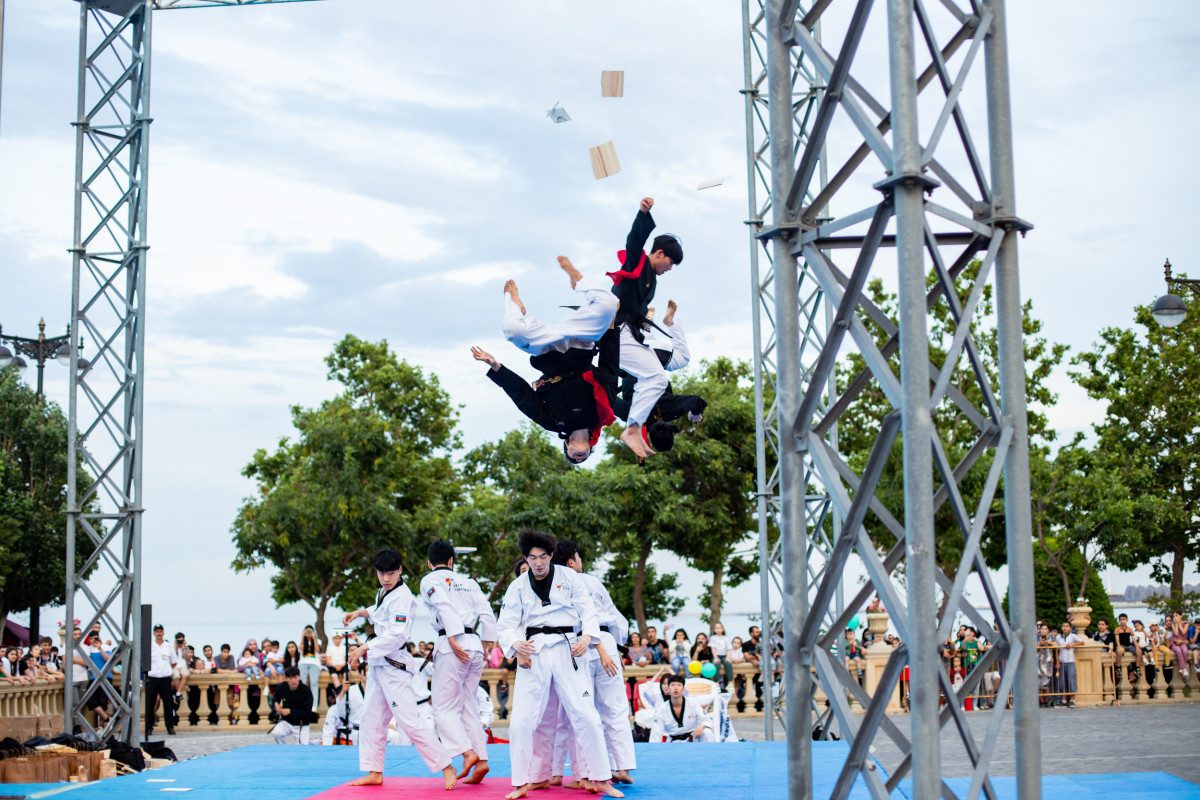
[(1159, 685)]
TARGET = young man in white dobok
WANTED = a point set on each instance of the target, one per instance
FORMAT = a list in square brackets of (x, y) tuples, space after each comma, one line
[(681, 719), (390, 691), (537, 622), (604, 666), (463, 620)]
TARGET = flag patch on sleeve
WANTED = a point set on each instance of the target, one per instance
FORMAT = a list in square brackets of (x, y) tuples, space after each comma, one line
[(401, 618), (432, 589)]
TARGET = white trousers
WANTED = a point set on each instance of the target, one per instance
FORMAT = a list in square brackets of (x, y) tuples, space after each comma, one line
[(552, 670), (454, 704), (582, 328), (390, 694), (283, 730), (640, 361), (397, 735), (613, 707)]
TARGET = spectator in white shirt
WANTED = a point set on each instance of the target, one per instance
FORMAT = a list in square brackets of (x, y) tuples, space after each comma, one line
[(1067, 641), (158, 682), (719, 644), (181, 668)]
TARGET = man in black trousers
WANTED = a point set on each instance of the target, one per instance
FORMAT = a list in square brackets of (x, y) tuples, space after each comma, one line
[(293, 703), (158, 682)]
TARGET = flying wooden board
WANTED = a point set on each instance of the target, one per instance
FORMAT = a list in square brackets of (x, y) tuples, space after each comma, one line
[(612, 83), (604, 160)]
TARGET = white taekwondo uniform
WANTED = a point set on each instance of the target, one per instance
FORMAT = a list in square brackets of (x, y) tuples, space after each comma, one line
[(640, 360), (345, 713), (458, 608), (424, 711), (550, 625), (391, 690), (582, 329), (609, 691), (668, 728), (484, 708)]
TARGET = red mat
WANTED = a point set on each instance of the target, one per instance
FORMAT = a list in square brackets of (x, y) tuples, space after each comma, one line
[(434, 789)]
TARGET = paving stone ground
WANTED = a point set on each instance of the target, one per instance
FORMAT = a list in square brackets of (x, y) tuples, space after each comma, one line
[(1146, 738)]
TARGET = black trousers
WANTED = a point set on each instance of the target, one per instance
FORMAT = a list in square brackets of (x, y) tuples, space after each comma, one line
[(160, 688)]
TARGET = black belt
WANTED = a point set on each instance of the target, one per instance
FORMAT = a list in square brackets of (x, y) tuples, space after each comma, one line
[(553, 629), (426, 700), (606, 629), (395, 663), (442, 631), (679, 737)]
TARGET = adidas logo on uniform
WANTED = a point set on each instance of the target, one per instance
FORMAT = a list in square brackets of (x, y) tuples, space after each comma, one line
[(586, 693), (393, 704)]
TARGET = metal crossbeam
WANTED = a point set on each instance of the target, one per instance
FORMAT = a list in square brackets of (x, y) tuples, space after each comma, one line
[(810, 308)]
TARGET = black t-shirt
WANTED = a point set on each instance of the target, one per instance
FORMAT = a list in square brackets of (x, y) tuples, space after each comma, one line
[(541, 586), (299, 703), (749, 648), (1107, 638)]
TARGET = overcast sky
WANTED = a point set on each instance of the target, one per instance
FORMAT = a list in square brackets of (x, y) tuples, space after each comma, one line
[(380, 168)]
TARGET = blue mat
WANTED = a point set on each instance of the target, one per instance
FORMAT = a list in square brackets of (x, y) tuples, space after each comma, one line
[(745, 770)]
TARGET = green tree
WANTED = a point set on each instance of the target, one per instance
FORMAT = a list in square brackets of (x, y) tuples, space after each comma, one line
[(33, 497), (712, 470), (368, 469), (1150, 384), (1085, 509), (522, 481), (860, 423), (1048, 591)]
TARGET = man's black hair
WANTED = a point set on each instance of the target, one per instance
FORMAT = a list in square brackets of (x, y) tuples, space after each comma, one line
[(440, 552), (1102, 619), (528, 539), (661, 436), (387, 560), (564, 551), (670, 245), (226, 647), (676, 679), (517, 566), (291, 672)]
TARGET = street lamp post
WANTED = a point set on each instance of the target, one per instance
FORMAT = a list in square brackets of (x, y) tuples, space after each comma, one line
[(39, 349), (1169, 310)]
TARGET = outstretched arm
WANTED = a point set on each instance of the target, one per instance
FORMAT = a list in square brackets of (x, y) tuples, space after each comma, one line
[(525, 398), (635, 242)]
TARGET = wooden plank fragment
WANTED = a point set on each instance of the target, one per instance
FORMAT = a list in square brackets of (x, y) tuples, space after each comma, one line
[(612, 83), (604, 160)]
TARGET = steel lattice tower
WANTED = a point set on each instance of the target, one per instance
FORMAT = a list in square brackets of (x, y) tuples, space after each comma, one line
[(814, 85), (108, 285)]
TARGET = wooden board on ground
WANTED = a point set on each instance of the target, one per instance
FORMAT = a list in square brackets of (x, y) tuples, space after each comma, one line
[(612, 83), (604, 160)]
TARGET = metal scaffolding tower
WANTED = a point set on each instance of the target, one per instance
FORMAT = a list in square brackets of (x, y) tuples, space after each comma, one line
[(818, 101), (108, 286)]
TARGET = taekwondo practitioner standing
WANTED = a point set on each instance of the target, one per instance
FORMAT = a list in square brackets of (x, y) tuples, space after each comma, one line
[(539, 615), (634, 284), (390, 691), (681, 719), (461, 616), (658, 432), (345, 715), (572, 398), (604, 662)]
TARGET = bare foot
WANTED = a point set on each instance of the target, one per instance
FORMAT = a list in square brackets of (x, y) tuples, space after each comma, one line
[(556, 780), (370, 779), (544, 784), (569, 268), (670, 317), (622, 776), (469, 760), (581, 783), (450, 777), (510, 289), (520, 791), (607, 788), (632, 437), (481, 769)]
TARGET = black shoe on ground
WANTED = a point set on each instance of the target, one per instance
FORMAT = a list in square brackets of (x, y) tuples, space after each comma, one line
[(170, 731)]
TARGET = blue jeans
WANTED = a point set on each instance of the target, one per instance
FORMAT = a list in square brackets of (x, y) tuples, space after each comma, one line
[(310, 676), (679, 663), (1067, 678)]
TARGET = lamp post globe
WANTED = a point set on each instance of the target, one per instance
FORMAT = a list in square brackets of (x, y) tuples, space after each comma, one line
[(20, 364), (63, 355), (1169, 310), (6, 356)]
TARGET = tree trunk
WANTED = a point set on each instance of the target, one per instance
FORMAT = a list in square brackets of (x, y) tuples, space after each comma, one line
[(321, 622), (1177, 565), (1066, 584), (639, 587), (715, 599)]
